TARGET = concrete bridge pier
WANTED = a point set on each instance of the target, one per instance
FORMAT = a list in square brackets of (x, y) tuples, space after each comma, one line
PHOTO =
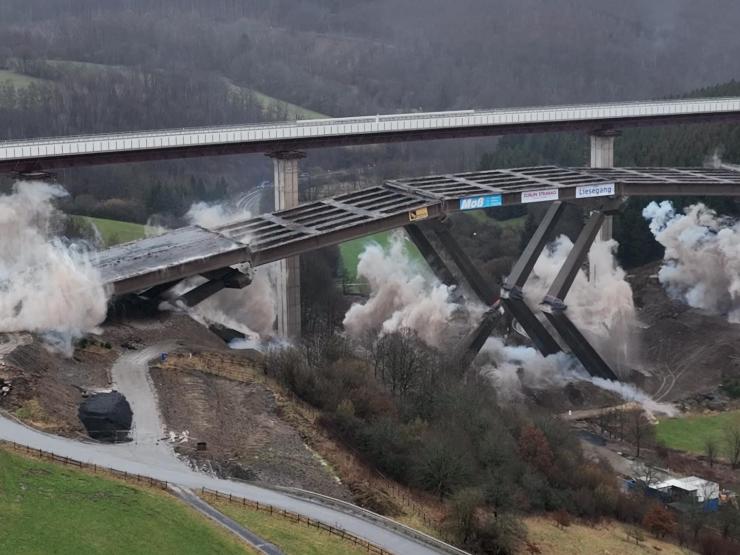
[(285, 165), (602, 156)]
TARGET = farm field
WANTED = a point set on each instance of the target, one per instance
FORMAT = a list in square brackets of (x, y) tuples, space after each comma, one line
[(114, 232), (689, 433), (48, 508)]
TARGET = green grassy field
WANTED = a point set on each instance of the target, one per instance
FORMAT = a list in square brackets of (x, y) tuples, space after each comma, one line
[(292, 111), (114, 232), (689, 433), (47, 508), (18, 80), (291, 538)]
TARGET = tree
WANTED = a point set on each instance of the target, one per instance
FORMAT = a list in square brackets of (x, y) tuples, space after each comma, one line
[(534, 448), (441, 468), (659, 521), (732, 444), (639, 431), (460, 521), (562, 518), (711, 448)]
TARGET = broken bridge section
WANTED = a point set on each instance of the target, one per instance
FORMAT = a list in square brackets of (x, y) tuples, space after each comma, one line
[(153, 265), (190, 251)]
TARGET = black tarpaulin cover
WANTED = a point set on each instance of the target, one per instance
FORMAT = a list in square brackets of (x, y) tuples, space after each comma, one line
[(106, 416)]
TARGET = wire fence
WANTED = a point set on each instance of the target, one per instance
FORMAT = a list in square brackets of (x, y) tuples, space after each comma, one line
[(47, 455), (297, 519)]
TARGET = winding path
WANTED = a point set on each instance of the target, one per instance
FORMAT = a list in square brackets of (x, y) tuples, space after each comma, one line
[(148, 456)]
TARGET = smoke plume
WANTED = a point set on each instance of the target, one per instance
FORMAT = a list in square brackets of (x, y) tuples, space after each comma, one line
[(701, 266), (403, 294), (47, 285)]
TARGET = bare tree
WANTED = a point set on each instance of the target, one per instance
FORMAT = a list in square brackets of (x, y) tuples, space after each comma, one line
[(732, 443), (711, 449), (639, 431)]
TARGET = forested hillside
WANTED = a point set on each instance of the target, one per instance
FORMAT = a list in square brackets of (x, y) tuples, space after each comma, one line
[(75, 66)]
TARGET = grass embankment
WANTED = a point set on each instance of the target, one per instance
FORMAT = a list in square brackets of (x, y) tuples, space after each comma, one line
[(47, 508), (689, 433), (292, 538), (17, 80), (579, 539), (114, 232)]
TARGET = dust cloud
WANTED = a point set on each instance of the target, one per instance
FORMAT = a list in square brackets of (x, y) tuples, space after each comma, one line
[(211, 215), (250, 311), (47, 284), (602, 307), (403, 295), (701, 266), (516, 369)]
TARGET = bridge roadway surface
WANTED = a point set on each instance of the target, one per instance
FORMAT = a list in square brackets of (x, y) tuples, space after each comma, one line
[(149, 456), (85, 150), (190, 251)]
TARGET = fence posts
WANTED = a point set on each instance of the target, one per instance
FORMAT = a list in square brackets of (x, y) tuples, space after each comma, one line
[(300, 519)]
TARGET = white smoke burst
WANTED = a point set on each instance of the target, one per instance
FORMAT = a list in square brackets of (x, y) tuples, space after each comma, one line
[(403, 295), (46, 284), (516, 369), (211, 215), (701, 265), (250, 311)]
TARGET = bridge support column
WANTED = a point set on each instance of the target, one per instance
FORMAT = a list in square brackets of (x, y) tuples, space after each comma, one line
[(285, 166), (512, 294), (602, 156), (555, 307)]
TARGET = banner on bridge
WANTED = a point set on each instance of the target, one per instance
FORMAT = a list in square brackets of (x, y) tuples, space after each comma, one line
[(475, 203)]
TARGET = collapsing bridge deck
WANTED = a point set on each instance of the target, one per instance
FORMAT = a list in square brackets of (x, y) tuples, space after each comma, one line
[(190, 251)]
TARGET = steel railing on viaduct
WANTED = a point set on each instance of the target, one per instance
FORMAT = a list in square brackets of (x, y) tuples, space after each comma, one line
[(49, 153)]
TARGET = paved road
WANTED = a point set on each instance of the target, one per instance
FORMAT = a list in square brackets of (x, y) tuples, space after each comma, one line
[(127, 458), (204, 508), (148, 456)]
